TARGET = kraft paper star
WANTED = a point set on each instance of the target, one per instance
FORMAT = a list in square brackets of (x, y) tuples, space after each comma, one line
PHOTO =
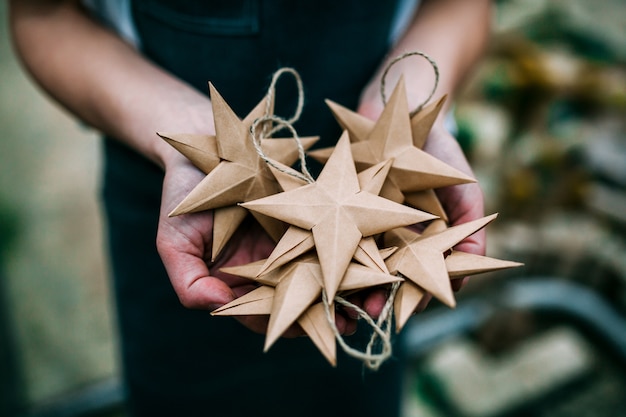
[(337, 212), (421, 124), (458, 265), (297, 287), (360, 128), (202, 149), (241, 175), (313, 321), (421, 259), (297, 241), (391, 138)]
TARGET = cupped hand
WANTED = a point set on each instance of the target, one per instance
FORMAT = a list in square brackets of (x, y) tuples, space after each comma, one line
[(184, 243)]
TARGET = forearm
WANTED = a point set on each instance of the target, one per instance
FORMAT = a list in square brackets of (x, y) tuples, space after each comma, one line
[(104, 81), (454, 33)]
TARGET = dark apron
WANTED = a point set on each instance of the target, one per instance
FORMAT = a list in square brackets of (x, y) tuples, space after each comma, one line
[(179, 362)]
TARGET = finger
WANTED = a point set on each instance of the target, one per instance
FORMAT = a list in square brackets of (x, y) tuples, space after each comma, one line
[(345, 325), (468, 205), (205, 293), (465, 202), (201, 292), (375, 302), (189, 274), (357, 300), (475, 243)]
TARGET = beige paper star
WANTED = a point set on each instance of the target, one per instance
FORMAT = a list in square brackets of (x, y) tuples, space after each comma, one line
[(297, 241), (422, 122), (391, 138), (337, 212), (458, 265), (297, 287), (202, 150), (420, 259), (241, 174), (359, 127), (426, 200), (313, 321)]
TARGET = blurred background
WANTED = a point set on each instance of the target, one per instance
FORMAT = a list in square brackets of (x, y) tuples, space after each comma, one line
[(543, 121)]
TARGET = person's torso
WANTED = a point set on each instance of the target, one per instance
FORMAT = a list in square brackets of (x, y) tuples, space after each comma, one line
[(336, 46)]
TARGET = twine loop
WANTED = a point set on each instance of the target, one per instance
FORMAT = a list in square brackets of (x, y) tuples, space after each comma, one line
[(271, 92), (400, 58), (269, 124), (279, 124), (381, 330)]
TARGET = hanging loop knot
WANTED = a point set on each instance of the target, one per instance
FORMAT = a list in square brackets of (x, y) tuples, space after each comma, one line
[(381, 330)]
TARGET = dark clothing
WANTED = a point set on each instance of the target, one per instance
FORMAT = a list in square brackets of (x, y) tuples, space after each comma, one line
[(179, 362)]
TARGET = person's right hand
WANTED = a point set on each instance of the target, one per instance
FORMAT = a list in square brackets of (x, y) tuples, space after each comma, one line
[(184, 243)]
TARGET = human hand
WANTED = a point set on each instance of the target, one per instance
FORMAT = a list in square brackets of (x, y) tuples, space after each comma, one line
[(184, 244)]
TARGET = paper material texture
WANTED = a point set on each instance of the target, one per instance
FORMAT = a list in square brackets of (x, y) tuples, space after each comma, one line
[(235, 171), (291, 294), (375, 181), (337, 213)]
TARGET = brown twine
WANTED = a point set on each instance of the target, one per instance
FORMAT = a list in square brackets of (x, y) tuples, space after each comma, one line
[(371, 360), (400, 58), (280, 124), (384, 321), (271, 91), (277, 123)]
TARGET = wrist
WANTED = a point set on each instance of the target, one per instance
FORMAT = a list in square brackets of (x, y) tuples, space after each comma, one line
[(166, 156)]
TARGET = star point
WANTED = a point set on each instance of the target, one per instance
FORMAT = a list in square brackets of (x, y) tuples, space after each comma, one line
[(392, 136), (421, 259)]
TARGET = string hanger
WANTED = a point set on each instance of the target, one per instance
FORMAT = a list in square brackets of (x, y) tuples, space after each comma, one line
[(269, 124), (400, 58)]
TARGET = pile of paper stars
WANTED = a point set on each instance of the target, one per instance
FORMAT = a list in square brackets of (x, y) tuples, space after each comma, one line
[(341, 233)]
